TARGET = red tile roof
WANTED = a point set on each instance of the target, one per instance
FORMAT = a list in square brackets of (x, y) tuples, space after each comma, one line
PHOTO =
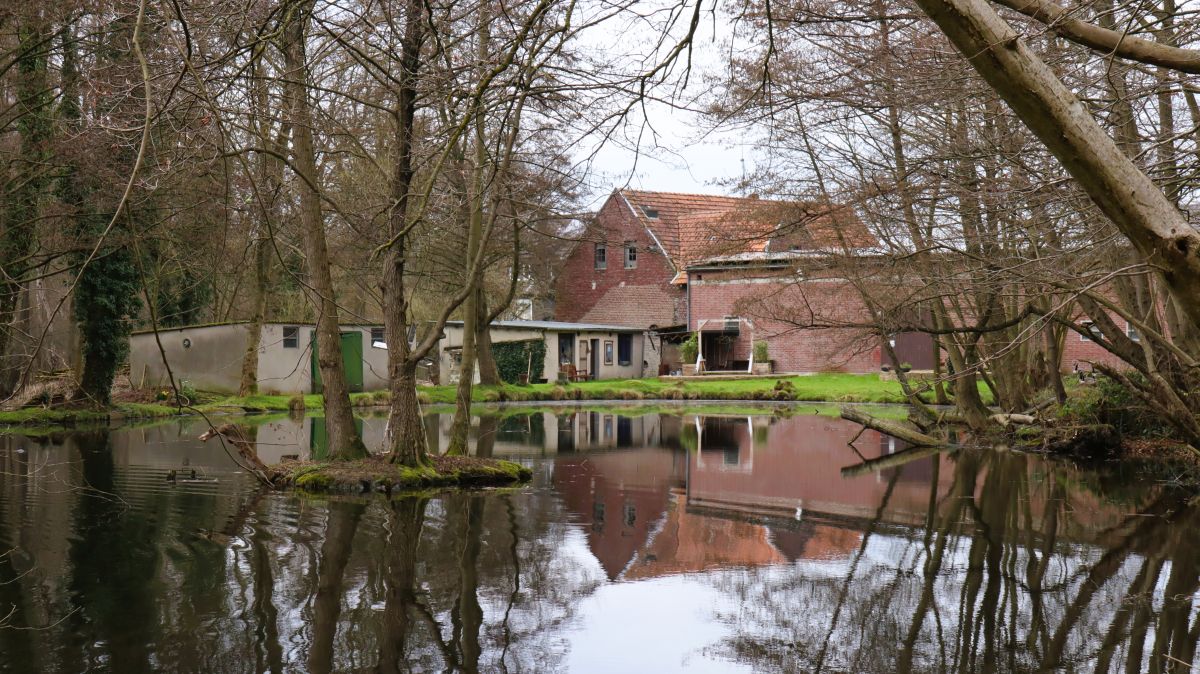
[(692, 227)]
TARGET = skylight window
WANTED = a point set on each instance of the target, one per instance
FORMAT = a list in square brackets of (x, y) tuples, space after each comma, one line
[(651, 213)]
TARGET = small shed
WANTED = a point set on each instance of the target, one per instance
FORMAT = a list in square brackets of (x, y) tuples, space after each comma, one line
[(595, 351), (210, 357)]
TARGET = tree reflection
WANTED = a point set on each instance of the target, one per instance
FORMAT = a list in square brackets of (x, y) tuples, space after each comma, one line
[(1012, 577), (405, 521), (340, 526)]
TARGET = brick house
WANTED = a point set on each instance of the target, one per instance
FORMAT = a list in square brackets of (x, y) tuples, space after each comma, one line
[(680, 263), (740, 270)]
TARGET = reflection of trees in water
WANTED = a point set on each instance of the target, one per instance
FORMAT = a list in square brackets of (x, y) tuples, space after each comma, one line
[(990, 583)]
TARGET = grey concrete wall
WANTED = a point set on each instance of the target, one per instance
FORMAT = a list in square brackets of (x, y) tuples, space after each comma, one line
[(212, 362), (284, 370), (288, 370)]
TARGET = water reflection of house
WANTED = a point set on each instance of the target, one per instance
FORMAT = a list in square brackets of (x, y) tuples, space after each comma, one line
[(563, 432), (783, 467), (687, 542), (693, 539), (617, 497)]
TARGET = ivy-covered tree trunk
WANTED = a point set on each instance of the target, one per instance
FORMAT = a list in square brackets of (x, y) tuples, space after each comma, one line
[(344, 441), (107, 285)]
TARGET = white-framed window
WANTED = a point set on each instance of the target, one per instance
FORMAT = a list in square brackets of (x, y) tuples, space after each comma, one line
[(1131, 332), (291, 337), (601, 256), (630, 255), (378, 338), (1090, 332)]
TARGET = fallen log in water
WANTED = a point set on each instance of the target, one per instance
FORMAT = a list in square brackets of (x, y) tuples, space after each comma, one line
[(892, 460), (893, 428)]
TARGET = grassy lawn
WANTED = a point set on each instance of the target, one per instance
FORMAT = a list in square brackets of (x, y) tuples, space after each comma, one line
[(861, 388)]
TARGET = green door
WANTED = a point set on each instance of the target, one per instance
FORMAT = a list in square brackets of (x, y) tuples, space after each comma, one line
[(352, 361)]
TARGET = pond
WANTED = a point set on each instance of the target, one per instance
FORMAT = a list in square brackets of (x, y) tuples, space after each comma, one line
[(664, 541)]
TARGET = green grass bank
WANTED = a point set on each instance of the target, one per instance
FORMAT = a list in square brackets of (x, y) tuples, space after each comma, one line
[(829, 388)]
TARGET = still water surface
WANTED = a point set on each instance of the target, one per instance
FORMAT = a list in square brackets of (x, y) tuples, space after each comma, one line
[(651, 543)]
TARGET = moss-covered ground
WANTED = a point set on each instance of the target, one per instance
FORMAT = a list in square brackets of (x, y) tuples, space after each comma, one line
[(377, 473), (46, 416)]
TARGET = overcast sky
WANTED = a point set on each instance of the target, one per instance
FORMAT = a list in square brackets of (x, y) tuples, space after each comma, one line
[(668, 150)]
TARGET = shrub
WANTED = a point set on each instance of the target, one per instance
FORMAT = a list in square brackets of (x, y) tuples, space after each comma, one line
[(380, 397), (296, 403), (1109, 402), (761, 354), (689, 349)]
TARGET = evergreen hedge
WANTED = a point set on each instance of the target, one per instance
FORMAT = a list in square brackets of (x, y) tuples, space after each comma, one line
[(513, 359)]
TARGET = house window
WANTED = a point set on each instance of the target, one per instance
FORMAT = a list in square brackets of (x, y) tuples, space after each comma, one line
[(624, 349), (378, 339), (631, 256), (1132, 332), (601, 256), (630, 514), (1090, 332), (608, 352), (291, 337), (651, 213)]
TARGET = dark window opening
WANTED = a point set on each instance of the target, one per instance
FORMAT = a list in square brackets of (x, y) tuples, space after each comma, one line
[(378, 340), (291, 337), (651, 213), (601, 256), (630, 256), (624, 349)]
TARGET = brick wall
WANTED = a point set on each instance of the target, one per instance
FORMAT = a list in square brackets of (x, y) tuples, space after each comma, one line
[(581, 286), (1084, 352), (718, 294)]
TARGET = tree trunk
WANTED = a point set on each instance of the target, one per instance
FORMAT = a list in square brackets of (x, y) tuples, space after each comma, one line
[(489, 374), (406, 432), (18, 226), (344, 442), (258, 294), (1123, 192), (476, 308)]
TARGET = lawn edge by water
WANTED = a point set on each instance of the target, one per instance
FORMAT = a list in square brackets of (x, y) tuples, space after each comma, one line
[(376, 473), (817, 388)]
